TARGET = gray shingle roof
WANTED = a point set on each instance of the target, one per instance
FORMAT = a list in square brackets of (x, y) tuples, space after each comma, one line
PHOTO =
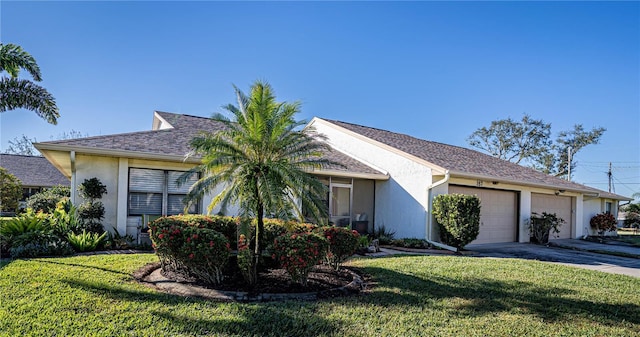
[(466, 161), (33, 171), (175, 141)]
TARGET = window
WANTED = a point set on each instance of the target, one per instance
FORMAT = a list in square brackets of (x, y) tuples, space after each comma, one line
[(155, 192), (607, 207), (29, 191)]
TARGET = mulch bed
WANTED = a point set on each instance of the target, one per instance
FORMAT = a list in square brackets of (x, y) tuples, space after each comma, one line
[(270, 280)]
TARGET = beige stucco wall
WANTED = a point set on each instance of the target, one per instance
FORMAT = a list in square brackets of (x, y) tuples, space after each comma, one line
[(105, 169), (363, 199)]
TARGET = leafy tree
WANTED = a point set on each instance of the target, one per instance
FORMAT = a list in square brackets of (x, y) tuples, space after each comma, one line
[(261, 158), (458, 217), (10, 191), (16, 93), (528, 141), (23, 146)]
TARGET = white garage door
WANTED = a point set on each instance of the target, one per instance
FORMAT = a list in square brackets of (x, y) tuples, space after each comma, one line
[(561, 205), (498, 214)]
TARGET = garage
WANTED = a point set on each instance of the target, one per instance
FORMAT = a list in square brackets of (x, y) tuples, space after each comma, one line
[(558, 204), (498, 213)]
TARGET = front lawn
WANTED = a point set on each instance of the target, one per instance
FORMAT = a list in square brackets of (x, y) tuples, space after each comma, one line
[(413, 296)]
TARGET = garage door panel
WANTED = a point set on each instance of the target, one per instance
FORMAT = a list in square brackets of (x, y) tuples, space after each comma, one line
[(558, 204), (498, 213)]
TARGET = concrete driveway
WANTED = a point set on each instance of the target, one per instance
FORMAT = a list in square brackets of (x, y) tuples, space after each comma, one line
[(574, 258)]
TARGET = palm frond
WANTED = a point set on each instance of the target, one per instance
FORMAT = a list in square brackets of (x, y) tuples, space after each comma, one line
[(23, 94), (13, 58)]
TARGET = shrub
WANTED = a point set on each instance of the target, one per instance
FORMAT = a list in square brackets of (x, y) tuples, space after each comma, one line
[(115, 240), (64, 219), (603, 222), (384, 236), (343, 243), (458, 217), (411, 243), (226, 225), (10, 191), (41, 245), (91, 212), (542, 225), (47, 200), (184, 247), (299, 253), (86, 241)]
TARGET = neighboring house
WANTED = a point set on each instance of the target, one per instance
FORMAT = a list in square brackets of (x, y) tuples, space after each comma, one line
[(386, 179), (35, 173)]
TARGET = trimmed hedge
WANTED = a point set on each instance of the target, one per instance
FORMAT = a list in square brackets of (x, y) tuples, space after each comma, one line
[(343, 243), (299, 253), (458, 216)]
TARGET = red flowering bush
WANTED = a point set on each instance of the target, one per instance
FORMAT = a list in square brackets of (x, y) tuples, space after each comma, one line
[(603, 222), (343, 243), (226, 225), (299, 253), (184, 247)]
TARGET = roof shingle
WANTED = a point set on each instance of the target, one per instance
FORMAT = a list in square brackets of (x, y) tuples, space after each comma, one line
[(32, 170)]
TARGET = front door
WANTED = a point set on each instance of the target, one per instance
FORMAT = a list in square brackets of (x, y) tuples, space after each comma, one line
[(340, 205)]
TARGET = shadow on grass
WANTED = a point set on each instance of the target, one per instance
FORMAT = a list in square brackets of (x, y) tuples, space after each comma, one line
[(255, 319), (479, 297), (4, 263), (81, 266)]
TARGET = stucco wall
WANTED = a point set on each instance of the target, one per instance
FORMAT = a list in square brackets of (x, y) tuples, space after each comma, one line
[(105, 169), (401, 201)]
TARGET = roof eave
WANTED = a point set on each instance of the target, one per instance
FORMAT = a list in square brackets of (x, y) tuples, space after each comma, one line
[(115, 153), (348, 174)]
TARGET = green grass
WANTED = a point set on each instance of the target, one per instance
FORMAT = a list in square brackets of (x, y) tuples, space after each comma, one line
[(413, 296)]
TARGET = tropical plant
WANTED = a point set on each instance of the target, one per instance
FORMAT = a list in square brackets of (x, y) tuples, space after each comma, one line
[(543, 225), (10, 191), (115, 240), (458, 217), (86, 241), (16, 93), (262, 159), (299, 253), (47, 200), (64, 219), (385, 236), (603, 222)]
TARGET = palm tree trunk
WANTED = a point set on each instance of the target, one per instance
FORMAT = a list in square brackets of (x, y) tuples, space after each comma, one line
[(259, 235)]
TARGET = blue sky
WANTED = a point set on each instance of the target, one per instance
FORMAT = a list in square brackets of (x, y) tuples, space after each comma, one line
[(434, 70)]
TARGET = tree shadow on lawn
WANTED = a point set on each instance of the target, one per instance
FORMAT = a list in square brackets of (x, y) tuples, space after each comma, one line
[(479, 297), (253, 319), (82, 266), (4, 263)]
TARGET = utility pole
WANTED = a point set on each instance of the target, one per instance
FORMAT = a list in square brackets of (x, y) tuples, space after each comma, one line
[(569, 163), (610, 177)]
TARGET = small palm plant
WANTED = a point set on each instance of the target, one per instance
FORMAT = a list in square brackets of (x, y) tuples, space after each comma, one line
[(262, 158)]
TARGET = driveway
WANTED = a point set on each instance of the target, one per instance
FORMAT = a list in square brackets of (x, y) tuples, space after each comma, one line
[(574, 258)]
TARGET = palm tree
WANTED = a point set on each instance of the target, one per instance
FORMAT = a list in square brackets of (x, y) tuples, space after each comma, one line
[(262, 159), (18, 93)]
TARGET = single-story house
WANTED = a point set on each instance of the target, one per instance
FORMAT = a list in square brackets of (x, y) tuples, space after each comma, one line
[(36, 173), (386, 179)]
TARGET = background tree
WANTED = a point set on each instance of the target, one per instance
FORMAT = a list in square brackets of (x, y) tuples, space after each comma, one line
[(528, 142), (10, 191), (261, 158), (24, 145), (16, 93)]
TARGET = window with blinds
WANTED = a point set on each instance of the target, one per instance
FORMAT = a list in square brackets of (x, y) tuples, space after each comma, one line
[(155, 192)]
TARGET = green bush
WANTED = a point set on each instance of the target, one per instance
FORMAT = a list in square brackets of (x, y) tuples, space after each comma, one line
[(603, 222), (115, 240), (10, 191), (226, 225), (41, 245), (86, 241), (92, 189), (47, 200), (411, 243), (458, 217), (184, 247), (385, 236), (299, 253), (343, 243), (542, 225), (91, 211)]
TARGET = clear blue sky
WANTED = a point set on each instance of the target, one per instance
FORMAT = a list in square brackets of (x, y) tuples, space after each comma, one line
[(434, 70)]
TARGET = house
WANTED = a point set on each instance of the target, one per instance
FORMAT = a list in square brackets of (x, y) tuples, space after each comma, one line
[(386, 179), (36, 173)]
